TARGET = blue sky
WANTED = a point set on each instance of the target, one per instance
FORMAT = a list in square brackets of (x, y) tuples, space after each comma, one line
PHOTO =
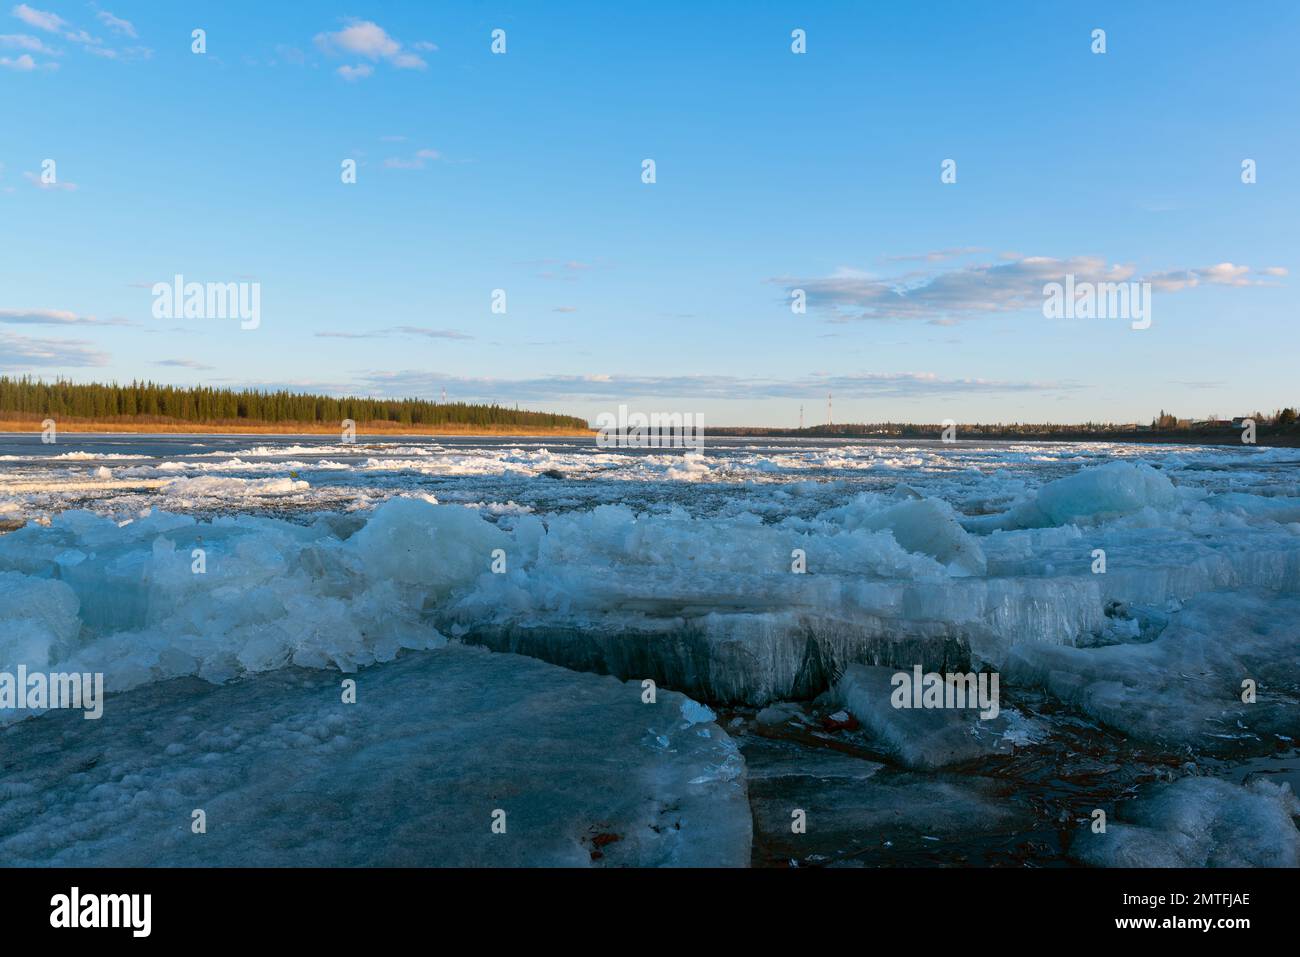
[(774, 171)]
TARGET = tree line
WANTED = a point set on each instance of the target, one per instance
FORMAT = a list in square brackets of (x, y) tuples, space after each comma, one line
[(61, 398), (1284, 422)]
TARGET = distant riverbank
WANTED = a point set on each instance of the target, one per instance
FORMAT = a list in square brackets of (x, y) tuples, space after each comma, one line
[(177, 427), (1288, 439)]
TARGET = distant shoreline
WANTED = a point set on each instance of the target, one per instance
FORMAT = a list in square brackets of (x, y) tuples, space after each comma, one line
[(394, 430), (366, 429), (1163, 437)]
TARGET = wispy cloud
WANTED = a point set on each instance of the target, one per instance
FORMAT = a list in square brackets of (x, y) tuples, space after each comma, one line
[(397, 331), (22, 64), (1199, 383), (125, 53), (984, 289), (183, 364), (117, 24), (1221, 274), (53, 23), (23, 41), (49, 22), (418, 161), (605, 386), (358, 72), (21, 352), (939, 255), (55, 317)]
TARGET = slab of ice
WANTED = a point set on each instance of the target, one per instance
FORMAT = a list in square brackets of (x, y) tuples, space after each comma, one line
[(230, 488), (922, 738), (409, 775), (1185, 688), (1199, 822), (38, 620)]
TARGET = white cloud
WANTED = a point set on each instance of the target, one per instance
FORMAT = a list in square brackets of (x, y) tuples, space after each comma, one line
[(984, 289), (50, 22), (424, 331), (1225, 274), (123, 54), (417, 162), (1221, 274), (53, 23), (358, 72), (41, 316), (368, 39), (364, 38), (81, 36), (54, 317), (117, 24), (22, 41), (23, 64), (21, 352), (183, 364)]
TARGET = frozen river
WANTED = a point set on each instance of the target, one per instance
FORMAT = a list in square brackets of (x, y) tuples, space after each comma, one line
[(1129, 597), (253, 473)]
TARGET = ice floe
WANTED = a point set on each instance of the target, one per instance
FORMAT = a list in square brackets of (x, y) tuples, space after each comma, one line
[(573, 770), (1198, 822)]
